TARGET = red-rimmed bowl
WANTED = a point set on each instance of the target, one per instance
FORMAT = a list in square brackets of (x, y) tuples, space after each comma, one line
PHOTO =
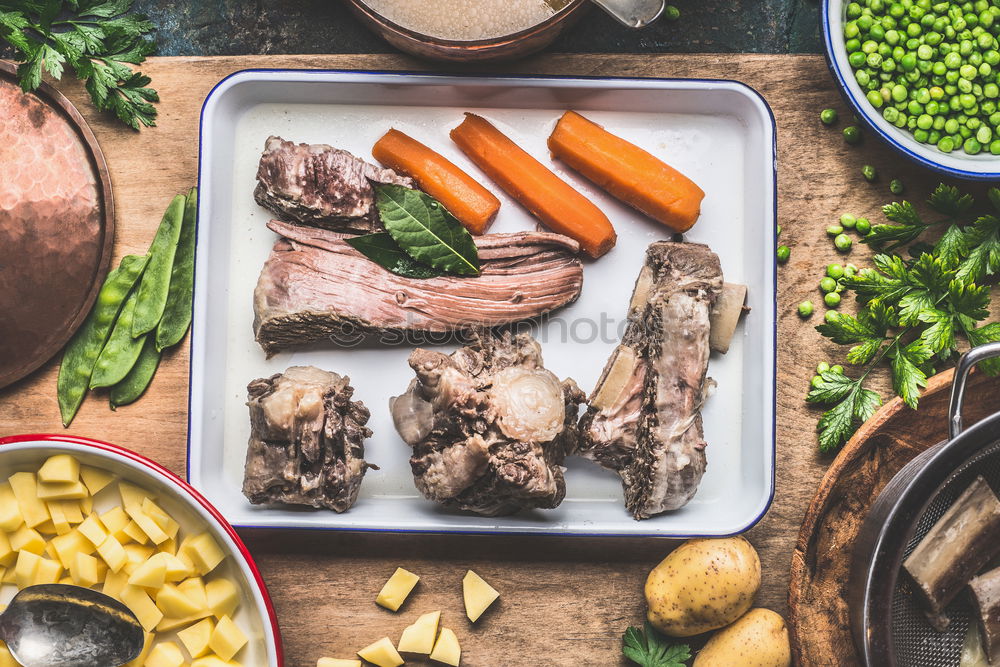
[(255, 615)]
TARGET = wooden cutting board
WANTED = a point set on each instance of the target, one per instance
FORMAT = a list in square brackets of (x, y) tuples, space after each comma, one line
[(565, 602)]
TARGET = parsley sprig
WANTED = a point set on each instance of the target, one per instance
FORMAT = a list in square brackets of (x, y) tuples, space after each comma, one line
[(913, 311), (99, 39), (648, 648)]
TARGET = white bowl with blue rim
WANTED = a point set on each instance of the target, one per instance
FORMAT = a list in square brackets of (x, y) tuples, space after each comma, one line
[(957, 164)]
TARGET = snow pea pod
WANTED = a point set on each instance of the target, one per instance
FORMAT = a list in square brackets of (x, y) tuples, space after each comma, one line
[(133, 385), (155, 283), (121, 350), (82, 352), (177, 312)]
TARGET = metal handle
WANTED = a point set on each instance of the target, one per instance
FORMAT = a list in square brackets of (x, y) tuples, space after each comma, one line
[(965, 364)]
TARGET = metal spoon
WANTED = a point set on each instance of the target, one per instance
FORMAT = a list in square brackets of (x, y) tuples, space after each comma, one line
[(633, 13), (54, 625)]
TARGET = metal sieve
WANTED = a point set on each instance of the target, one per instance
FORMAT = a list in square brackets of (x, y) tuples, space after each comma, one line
[(887, 621)]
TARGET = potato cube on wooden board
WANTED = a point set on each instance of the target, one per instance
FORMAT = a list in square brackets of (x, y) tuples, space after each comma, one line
[(337, 662), (381, 653), (62, 491), (195, 638), (478, 595), (95, 479), (396, 589), (60, 468), (25, 488), (165, 654), (419, 637), (10, 511), (222, 596), (142, 606), (227, 639), (446, 648)]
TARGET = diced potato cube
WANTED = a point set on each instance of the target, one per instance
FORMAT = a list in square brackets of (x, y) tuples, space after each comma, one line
[(60, 468), (150, 574), (381, 653), (419, 637), (68, 545), (177, 569), (25, 488), (48, 572), (203, 551), (478, 595), (162, 519), (337, 662), (169, 624), (50, 551), (147, 646), (396, 589), (147, 525), (59, 521), (132, 531), (114, 584), (170, 547), (46, 527), (112, 553), (446, 648), (115, 520), (214, 661), (172, 602), (132, 495), (93, 529), (62, 490), (27, 539), (87, 505), (165, 654), (8, 554), (196, 637), (85, 570), (9, 576), (223, 597), (227, 639), (71, 510), (26, 569), (137, 553), (95, 479), (142, 606), (10, 511), (194, 589)]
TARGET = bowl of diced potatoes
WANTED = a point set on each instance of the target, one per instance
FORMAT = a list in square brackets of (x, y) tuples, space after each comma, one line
[(82, 512)]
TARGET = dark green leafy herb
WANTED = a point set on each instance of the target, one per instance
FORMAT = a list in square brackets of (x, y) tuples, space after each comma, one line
[(99, 39), (384, 251), (426, 231), (913, 312), (648, 648)]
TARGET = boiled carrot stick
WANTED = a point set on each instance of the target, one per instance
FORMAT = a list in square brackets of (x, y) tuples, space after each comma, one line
[(629, 173), (545, 195), (473, 205)]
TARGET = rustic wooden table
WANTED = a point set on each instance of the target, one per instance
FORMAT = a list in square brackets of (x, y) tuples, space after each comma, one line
[(565, 601)]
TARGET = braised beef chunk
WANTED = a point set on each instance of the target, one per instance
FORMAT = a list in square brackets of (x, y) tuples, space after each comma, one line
[(489, 426), (316, 288), (306, 440), (319, 185), (644, 418)]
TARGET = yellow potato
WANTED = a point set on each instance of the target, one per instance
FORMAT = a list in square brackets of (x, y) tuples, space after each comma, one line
[(704, 584), (227, 639), (196, 637), (419, 637), (447, 649), (381, 653), (60, 468), (165, 654), (478, 595), (758, 639), (396, 589)]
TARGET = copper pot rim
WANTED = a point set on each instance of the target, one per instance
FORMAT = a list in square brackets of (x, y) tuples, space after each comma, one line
[(560, 15), (52, 97)]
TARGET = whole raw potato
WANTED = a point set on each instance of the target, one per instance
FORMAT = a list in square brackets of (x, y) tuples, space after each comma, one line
[(758, 639), (702, 585)]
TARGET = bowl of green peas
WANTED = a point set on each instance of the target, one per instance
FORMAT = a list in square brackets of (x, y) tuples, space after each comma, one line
[(923, 76)]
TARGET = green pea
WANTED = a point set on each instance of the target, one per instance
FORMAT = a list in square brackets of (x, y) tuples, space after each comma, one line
[(831, 316), (155, 285), (995, 147), (972, 146), (864, 227), (852, 134), (816, 381), (869, 173), (177, 311), (805, 309), (85, 347), (835, 271), (671, 13), (842, 242), (828, 116), (838, 369), (822, 367), (831, 299), (827, 285), (134, 385), (834, 230), (847, 221), (850, 271), (783, 252)]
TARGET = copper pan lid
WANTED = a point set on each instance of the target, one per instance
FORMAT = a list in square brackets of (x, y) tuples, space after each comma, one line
[(56, 224)]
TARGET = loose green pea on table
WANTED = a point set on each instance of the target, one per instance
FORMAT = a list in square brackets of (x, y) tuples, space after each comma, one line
[(143, 307)]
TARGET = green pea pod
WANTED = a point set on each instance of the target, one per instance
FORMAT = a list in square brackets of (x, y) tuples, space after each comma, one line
[(121, 350), (83, 349), (135, 383), (177, 313), (156, 278)]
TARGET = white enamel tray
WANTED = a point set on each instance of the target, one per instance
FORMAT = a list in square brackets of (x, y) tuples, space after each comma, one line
[(720, 133)]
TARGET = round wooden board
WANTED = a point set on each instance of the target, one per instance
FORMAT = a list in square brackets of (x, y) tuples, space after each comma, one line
[(817, 597)]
